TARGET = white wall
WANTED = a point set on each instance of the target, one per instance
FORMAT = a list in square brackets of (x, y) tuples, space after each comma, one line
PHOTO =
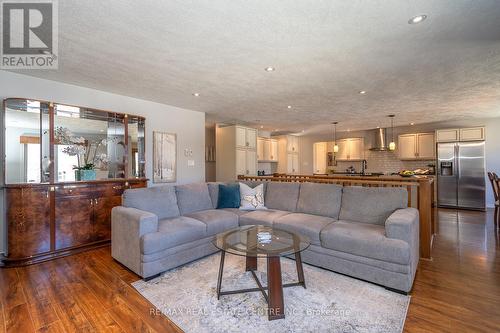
[(492, 147), (189, 125)]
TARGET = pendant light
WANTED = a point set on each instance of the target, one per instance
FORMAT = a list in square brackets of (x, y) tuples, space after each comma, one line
[(392, 144), (335, 146)]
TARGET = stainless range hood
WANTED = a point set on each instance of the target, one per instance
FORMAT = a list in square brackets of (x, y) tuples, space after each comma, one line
[(380, 140)]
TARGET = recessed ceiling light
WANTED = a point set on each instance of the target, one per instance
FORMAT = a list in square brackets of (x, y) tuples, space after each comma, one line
[(303, 131), (270, 69), (417, 19), (196, 94), (261, 127), (289, 106), (412, 124), (378, 126), (362, 92)]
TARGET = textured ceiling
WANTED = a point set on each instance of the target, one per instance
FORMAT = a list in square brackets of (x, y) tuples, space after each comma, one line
[(325, 52)]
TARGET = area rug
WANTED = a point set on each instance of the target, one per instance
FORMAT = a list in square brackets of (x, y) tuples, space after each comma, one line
[(331, 302)]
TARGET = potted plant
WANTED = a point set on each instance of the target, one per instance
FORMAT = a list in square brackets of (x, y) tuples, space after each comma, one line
[(86, 172), (86, 151)]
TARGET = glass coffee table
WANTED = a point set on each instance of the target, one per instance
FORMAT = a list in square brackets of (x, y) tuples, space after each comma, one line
[(258, 241)]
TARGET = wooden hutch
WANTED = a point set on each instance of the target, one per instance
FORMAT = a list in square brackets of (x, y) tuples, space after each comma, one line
[(49, 211)]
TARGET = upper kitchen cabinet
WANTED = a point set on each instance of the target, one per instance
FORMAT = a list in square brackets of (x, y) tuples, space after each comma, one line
[(472, 134), (292, 144), (418, 146), (267, 150), (426, 146), (273, 154), (237, 147), (351, 149), (261, 142), (246, 137), (460, 134), (447, 135)]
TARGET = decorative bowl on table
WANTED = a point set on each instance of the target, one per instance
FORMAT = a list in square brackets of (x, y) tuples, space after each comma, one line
[(264, 237), (407, 173)]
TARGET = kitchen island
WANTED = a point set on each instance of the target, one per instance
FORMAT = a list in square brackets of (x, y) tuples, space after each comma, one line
[(420, 194)]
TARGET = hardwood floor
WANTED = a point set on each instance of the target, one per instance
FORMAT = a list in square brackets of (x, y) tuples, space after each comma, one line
[(459, 291)]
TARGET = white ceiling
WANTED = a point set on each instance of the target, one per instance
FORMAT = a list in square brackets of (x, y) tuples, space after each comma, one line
[(447, 67)]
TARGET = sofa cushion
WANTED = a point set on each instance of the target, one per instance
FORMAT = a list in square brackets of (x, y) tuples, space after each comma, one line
[(282, 196), (264, 217), (371, 204), (236, 211), (213, 190), (363, 239), (216, 220), (159, 200), (320, 199), (193, 198), (229, 196), (304, 224), (172, 232)]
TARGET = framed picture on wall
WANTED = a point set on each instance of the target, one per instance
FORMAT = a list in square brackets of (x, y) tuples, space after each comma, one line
[(164, 157)]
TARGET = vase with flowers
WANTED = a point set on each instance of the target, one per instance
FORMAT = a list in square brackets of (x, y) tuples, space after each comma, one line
[(89, 152)]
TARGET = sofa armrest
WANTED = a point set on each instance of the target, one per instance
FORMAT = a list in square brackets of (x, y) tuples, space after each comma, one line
[(128, 225), (403, 224), (139, 221)]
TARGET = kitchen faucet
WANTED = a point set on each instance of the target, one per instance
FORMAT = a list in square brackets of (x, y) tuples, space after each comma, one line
[(364, 166)]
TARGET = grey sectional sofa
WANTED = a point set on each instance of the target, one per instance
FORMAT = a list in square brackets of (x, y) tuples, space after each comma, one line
[(365, 232)]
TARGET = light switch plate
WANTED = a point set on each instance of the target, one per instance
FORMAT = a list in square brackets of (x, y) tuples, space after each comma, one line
[(190, 163)]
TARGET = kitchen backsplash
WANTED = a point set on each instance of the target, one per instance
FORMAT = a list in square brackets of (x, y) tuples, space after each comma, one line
[(383, 161)]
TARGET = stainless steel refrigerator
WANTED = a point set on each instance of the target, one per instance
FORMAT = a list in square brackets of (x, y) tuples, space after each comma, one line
[(460, 174)]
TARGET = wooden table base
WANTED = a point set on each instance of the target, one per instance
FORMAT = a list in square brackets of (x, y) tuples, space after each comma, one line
[(274, 295)]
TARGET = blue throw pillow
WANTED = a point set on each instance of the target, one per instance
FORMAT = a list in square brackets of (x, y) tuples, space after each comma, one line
[(229, 196)]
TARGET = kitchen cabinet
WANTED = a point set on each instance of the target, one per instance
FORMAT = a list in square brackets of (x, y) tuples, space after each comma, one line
[(447, 135), (292, 166), (472, 134), (273, 150), (319, 157), (350, 149), (238, 147), (419, 146), (261, 149), (246, 137), (246, 162), (267, 150), (426, 146), (460, 134), (292, 144), (288, 154)]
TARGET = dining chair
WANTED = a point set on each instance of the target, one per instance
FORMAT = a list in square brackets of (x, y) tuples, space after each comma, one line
[(495, 184)]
